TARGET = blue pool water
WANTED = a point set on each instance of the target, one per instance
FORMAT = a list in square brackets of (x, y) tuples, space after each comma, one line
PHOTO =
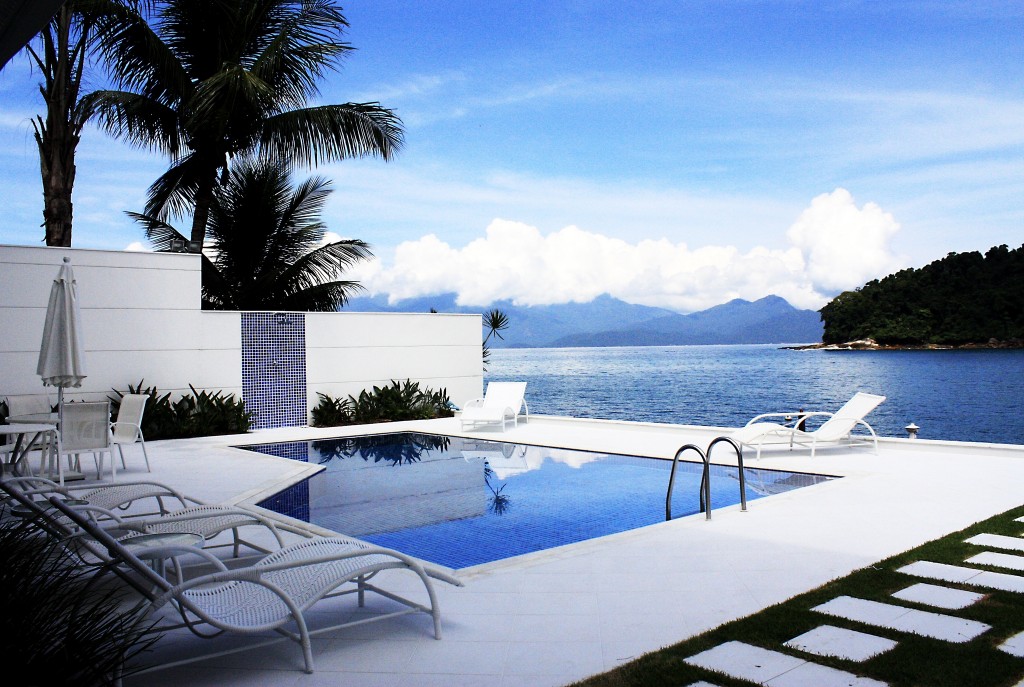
[(462, 502), (966, 395)]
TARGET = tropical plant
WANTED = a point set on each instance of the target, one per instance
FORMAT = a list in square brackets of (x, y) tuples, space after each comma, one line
[(59, 626), (495, 322), (265, 243), (390, 403), (331, 412), (198, 414), (208, 81)]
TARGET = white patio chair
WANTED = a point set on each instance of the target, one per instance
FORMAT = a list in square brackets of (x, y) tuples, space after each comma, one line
[(501, 404), (275, 592), (837, 428), (85, 428), (127, 428)]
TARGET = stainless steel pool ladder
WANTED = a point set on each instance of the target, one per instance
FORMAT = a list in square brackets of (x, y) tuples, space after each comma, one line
[(705, 479)]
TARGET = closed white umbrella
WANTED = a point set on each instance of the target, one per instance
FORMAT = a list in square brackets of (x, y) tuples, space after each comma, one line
[(60, 355)]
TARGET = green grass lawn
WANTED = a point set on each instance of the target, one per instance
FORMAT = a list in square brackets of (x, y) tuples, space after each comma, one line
[(915, 661)]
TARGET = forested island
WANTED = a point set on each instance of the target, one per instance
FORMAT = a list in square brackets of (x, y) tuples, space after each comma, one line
[(964, 299)]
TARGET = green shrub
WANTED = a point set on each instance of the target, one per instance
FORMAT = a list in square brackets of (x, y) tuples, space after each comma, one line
[(198, 414), (392, 403)]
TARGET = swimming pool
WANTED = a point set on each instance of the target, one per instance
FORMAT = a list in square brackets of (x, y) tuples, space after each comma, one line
[(461, 502)]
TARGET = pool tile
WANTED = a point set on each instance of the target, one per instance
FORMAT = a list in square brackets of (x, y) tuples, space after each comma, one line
[(924, 623), (939, 597), (827, 640), (998, 560), (998, 541)]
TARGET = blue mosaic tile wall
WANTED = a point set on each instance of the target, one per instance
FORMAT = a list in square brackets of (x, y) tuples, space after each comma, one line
[(274, 368)]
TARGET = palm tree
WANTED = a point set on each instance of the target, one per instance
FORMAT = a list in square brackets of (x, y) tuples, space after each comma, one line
[(206, 81), (265, 249), (496, 322), (61, 54)]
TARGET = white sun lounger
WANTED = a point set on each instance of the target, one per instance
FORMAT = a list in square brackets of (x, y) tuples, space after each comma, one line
[(838, 428), (500, 405)]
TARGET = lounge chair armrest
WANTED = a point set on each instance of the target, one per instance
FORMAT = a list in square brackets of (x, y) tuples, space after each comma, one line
[(169, 491), (475, 403)]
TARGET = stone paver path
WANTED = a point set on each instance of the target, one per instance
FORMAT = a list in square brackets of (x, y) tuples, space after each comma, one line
[(903, 619), (1014, 645), (997, 541), (839, 642), (972, 576), (937, 596), (998, 560), (774, 669)]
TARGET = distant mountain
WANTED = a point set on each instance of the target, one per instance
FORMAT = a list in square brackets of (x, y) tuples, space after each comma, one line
[(607, 321)]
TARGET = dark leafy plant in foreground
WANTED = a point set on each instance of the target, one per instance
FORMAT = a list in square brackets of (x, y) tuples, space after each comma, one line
[(57, 627), (198, 414), (391, 403)]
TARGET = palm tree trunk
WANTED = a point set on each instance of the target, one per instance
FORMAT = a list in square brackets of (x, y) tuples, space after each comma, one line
[(204, 198), (57, 136)]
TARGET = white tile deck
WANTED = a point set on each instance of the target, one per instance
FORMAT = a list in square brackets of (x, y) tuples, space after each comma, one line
[(903, 619), (556, 617), (851, 645), (998, 541), (939, 597), (998, 560), (1014, 645), (773, 668), (972, 576)]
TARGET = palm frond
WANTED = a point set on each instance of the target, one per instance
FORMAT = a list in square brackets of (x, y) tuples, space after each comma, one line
[(173, 194), (332, 132), (137, 119)]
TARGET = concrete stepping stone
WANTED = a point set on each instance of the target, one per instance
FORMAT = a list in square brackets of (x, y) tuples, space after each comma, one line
[(839, 642), (972, 576), (774, 669), (997, 541), (1014, 645), (998, 560), (903, 619), (940, 597)]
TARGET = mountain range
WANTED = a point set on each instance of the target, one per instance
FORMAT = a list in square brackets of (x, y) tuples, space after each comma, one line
[(608, 321)]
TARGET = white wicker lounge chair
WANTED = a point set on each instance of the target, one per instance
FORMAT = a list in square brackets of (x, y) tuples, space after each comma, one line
[(837, 428), (194, 517), (275, 592), (501, 404)]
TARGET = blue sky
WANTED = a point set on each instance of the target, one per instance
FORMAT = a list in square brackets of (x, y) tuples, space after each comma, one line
[(669, 153)]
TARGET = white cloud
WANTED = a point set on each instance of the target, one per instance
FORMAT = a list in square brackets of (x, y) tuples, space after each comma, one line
[(843, 245), (833, 245), (138, 247)]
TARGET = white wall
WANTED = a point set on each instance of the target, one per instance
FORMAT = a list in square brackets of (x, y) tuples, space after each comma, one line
[(347, 352), (142, 320)]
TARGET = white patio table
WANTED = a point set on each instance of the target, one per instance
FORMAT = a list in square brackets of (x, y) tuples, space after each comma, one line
[(28, 435)]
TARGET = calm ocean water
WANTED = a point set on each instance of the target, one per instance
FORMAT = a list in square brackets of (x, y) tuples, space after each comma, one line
[(956, 395)]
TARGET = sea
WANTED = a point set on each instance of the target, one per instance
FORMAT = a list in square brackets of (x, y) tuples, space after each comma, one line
[(958, 395)]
